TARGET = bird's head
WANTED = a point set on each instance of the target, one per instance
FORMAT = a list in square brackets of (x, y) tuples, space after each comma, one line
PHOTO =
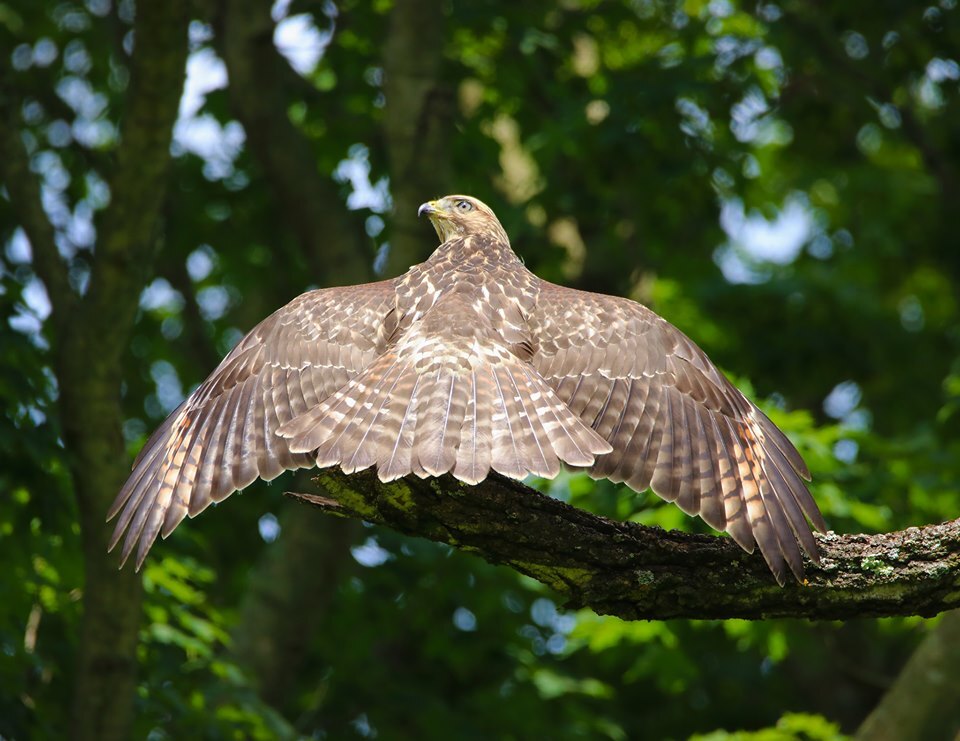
[(457, 216)]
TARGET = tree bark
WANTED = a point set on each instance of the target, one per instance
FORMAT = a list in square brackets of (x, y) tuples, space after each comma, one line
[(299, 575), (418, 119), (90, 335), (333, 242), (267, 640), (88, 362), (922, 704), (637, 572)]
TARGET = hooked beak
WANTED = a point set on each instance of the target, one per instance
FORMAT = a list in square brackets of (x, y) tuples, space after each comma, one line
[(429, 208)]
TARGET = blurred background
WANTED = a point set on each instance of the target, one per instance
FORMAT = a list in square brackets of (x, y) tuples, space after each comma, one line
[(779, 180)]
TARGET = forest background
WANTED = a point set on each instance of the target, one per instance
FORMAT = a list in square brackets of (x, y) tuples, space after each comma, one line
[(781, 181)]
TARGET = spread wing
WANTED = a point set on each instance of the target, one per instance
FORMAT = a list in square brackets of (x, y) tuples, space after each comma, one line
[(676, 424), (223, 436)]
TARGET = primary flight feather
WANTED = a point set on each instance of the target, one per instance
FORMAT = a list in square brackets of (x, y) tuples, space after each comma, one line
[(465, 364)]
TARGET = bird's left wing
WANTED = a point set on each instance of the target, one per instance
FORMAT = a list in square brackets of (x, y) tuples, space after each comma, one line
[(676, 424), (223, 436)]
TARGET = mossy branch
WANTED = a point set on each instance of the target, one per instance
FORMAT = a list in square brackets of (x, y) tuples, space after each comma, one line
[(637, 572)]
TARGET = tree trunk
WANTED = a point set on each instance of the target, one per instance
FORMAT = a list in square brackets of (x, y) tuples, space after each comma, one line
[(417, 123), (90, 335), (88, 359), (297, 577), (268, 639), (924, 702)]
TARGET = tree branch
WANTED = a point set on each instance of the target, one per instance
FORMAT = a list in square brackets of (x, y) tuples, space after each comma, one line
[(126, 235), (88, 354), (201, 346), (23, 187), (333, 241), (638, 572)]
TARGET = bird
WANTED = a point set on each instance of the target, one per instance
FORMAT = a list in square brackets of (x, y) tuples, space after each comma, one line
[(469, 363)]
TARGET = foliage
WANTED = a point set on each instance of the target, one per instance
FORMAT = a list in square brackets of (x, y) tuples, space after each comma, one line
[(778, 180)]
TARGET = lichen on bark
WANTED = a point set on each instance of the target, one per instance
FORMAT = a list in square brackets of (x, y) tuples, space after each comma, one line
[(639, 572)]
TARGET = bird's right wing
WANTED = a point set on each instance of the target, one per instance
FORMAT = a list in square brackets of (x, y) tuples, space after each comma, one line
[(676, 424), (223, 436)]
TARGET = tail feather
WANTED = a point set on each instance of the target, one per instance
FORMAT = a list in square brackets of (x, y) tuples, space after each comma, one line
[(573, 442), (446, 411), (509, 455), (440, 420), (476, 433), (364, 442), (245, 461), (322, 428), (209, 486), (398, 439), (542, 458), (731, 488), (133, 492)]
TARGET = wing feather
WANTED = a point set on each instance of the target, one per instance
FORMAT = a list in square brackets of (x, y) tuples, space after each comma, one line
[(688, 490), (675, 423), (711, 498), (224, 435)]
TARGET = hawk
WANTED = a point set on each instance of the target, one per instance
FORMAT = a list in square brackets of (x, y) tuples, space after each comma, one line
[(466, 364)]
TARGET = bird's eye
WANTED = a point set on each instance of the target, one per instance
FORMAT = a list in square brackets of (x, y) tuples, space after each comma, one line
[(464, 206)]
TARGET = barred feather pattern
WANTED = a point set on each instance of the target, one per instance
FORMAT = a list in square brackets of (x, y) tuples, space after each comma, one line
[(450, 397), (467, 364), (223, 436), (675, 423)]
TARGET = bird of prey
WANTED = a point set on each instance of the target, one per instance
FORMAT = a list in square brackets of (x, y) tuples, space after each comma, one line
[(466, 364)]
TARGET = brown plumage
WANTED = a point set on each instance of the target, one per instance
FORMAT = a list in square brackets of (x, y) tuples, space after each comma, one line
[(470, 363)]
